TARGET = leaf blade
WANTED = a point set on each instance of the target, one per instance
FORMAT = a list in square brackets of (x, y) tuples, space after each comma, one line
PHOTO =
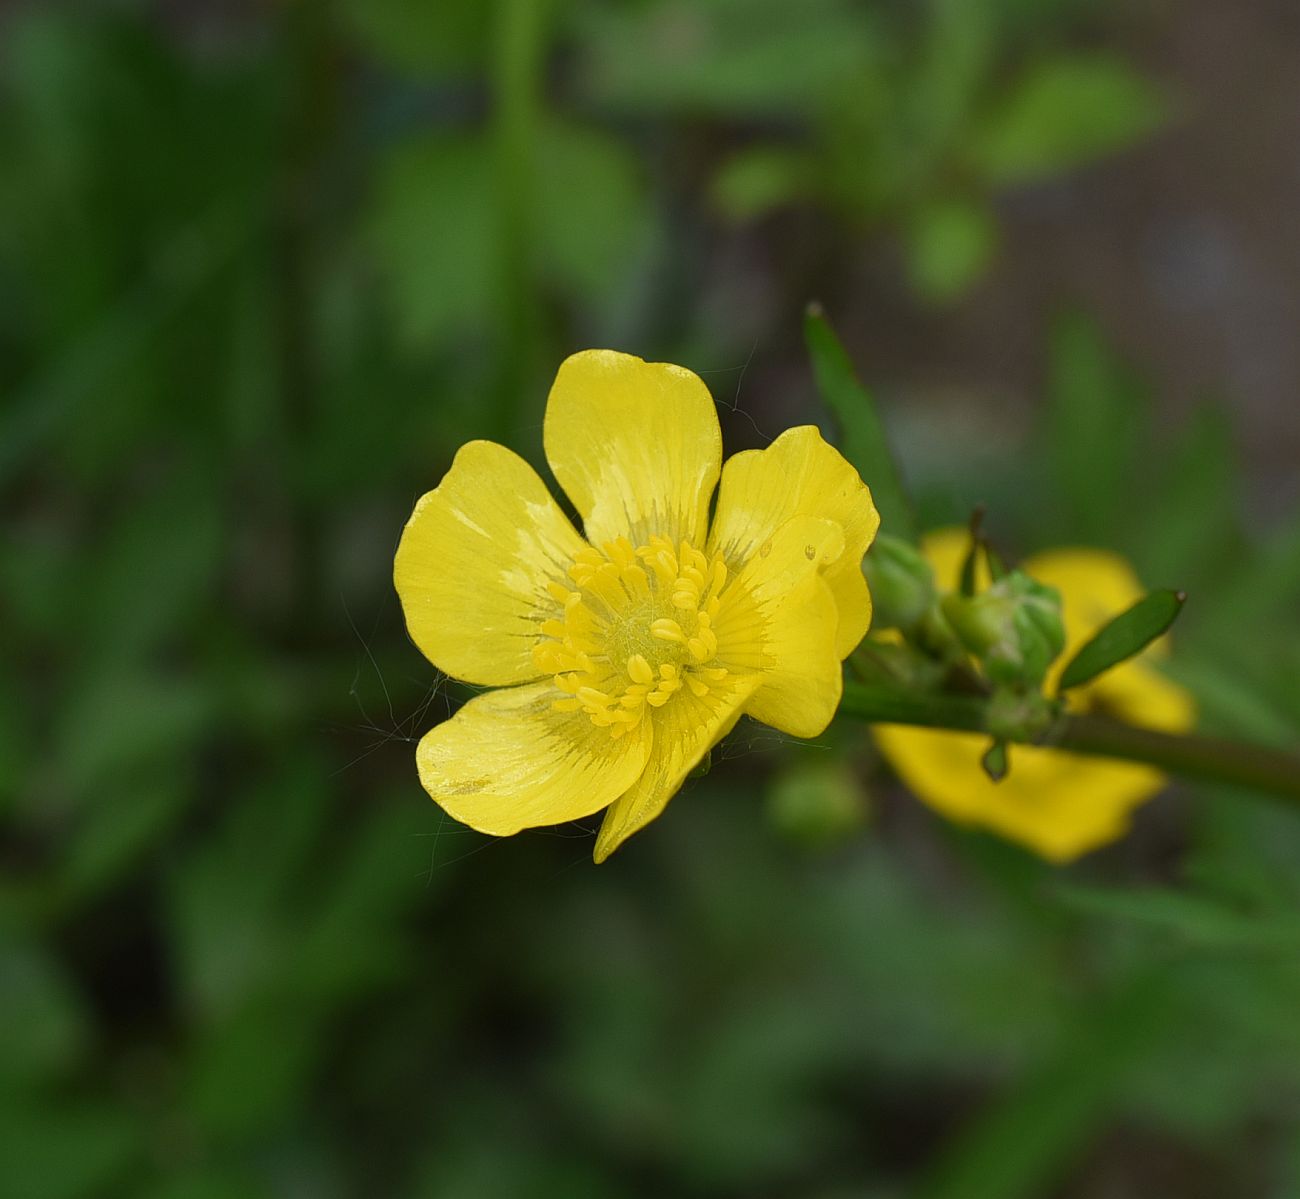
[(1122, 638), (862, 433)]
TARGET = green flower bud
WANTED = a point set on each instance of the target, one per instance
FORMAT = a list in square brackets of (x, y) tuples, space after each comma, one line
[(901, 583), (1014, 628), (817, 804)]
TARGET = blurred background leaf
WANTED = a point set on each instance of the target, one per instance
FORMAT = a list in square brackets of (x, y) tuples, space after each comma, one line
[(264, 268)]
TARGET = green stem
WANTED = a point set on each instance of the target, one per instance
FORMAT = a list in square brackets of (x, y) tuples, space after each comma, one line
[(518, 58), (1258, 767)]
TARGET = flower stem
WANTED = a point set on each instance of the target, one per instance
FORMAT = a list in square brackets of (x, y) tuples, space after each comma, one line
[(1261, 768), (518, 60)]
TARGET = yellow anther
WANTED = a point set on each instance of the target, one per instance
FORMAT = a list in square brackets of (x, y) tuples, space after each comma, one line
[(620, 551), (629, 608), (636, 581), (665, 565)]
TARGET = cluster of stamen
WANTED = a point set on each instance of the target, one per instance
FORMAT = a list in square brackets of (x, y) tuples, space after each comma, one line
[(635, 628)]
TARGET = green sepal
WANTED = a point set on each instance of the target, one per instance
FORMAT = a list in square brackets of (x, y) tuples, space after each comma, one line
[(996, 761), (1014, 628)]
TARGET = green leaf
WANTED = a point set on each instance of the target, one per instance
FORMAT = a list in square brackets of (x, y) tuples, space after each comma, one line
[(863, 439), (424, 39), (817, 804), (66, 1151), (1127, 634), (1065, 113), (593, 214), (43, 1029), (432, 228), (949, 244), (1197, 919), (1189, 519), (1096, 415), (1024, 1142), (752, 182), (727, 57)]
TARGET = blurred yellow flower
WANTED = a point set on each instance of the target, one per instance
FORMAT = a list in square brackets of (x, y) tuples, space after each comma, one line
[(622, 658), (1058, 804)]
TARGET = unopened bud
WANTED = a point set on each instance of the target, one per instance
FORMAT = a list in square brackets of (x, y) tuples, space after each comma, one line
[(1014, 628)]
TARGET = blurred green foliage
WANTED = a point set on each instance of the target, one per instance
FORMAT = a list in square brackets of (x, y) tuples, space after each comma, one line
[(261, 271)]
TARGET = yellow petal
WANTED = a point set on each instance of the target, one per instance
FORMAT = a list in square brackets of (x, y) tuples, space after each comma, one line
[(508, 761), (474, 562), (684, 731), (635, 445), (779, 619), (1059, 805), (1138, 693), (799, 474)]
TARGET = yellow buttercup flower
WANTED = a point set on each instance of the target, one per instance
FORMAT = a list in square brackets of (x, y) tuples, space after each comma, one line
[(623, 656), (1058, 804)]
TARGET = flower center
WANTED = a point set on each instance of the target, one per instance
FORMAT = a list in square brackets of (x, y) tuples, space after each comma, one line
[(636, 628)]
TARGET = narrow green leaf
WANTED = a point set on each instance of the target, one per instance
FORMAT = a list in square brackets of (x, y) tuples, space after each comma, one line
[(1128, 634), (862, 434), (1096, 424), (1026, 1140), (1199, 919), (1064, 113)]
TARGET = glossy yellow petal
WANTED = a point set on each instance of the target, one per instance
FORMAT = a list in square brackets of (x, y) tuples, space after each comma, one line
[(635, 445), (684, 731), (799, 474), (1059, 805), (779, 621), (508, 760), (473, 565)]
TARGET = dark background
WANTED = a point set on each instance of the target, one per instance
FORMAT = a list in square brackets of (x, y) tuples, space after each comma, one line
[(263, 267)]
